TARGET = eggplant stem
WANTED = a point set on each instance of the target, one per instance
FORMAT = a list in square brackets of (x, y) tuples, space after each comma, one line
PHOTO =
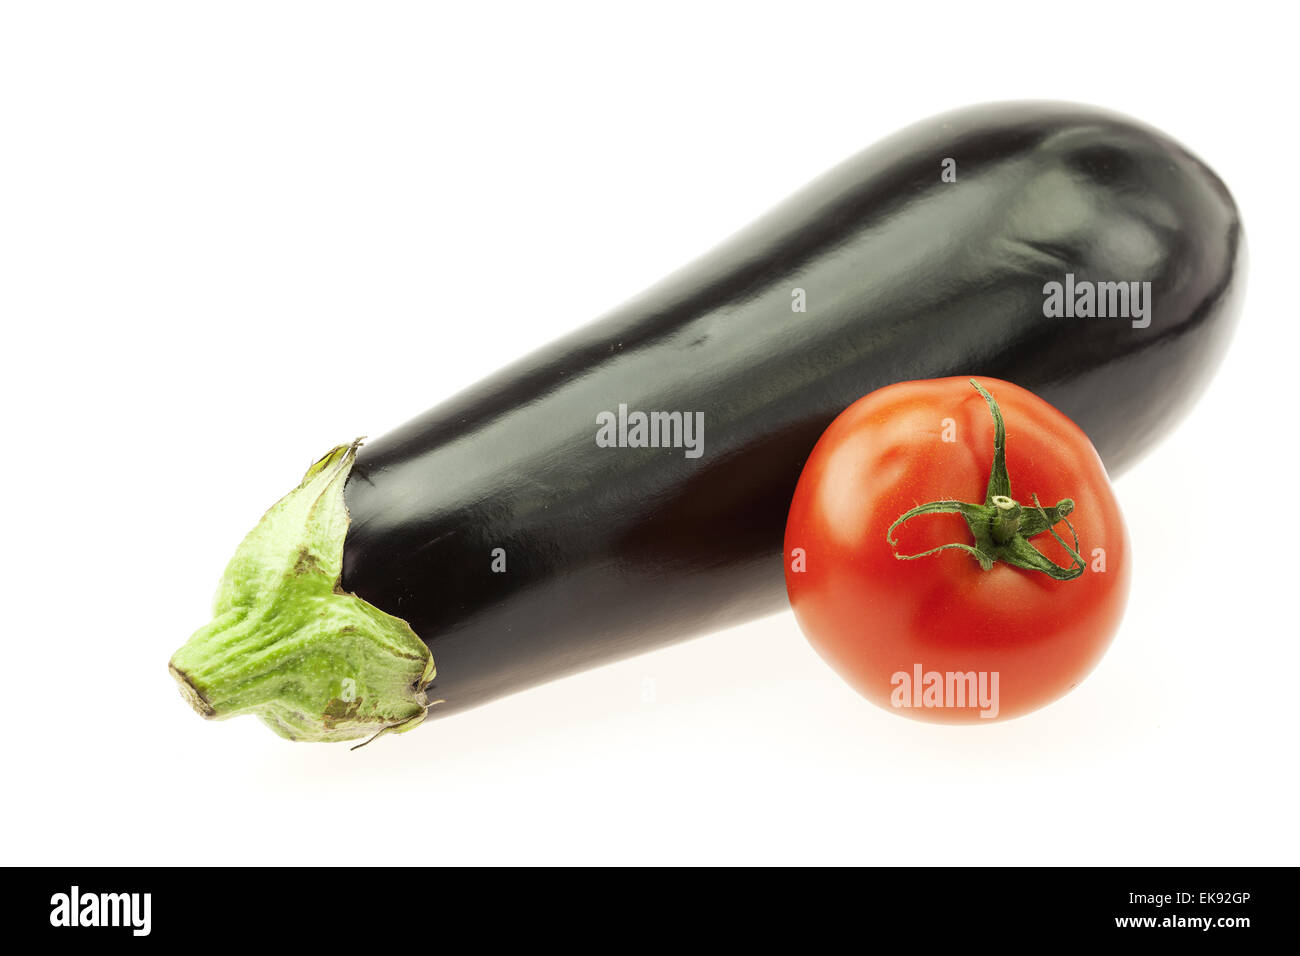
[(288, 644)]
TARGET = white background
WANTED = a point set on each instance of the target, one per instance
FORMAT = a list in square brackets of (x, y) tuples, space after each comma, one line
[(233, 235)]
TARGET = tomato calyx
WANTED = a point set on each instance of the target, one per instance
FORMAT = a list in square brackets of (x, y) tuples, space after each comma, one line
[(1002, 526)]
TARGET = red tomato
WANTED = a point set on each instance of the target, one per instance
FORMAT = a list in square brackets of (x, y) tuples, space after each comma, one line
[(939, 637)]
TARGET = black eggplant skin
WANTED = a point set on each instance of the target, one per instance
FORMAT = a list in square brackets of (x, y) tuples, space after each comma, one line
[(613, 551)]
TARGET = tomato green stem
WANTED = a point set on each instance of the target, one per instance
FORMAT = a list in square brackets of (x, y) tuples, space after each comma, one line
[(1005, 522), (1001, 526)]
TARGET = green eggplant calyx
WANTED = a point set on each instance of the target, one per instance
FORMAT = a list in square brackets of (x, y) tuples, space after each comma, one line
[(1002, 526), (288, 644)]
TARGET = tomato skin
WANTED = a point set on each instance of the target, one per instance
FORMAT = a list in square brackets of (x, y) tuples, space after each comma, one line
[(872, 616)]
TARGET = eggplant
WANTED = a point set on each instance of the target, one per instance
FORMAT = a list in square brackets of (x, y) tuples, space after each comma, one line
[(501, 533)]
